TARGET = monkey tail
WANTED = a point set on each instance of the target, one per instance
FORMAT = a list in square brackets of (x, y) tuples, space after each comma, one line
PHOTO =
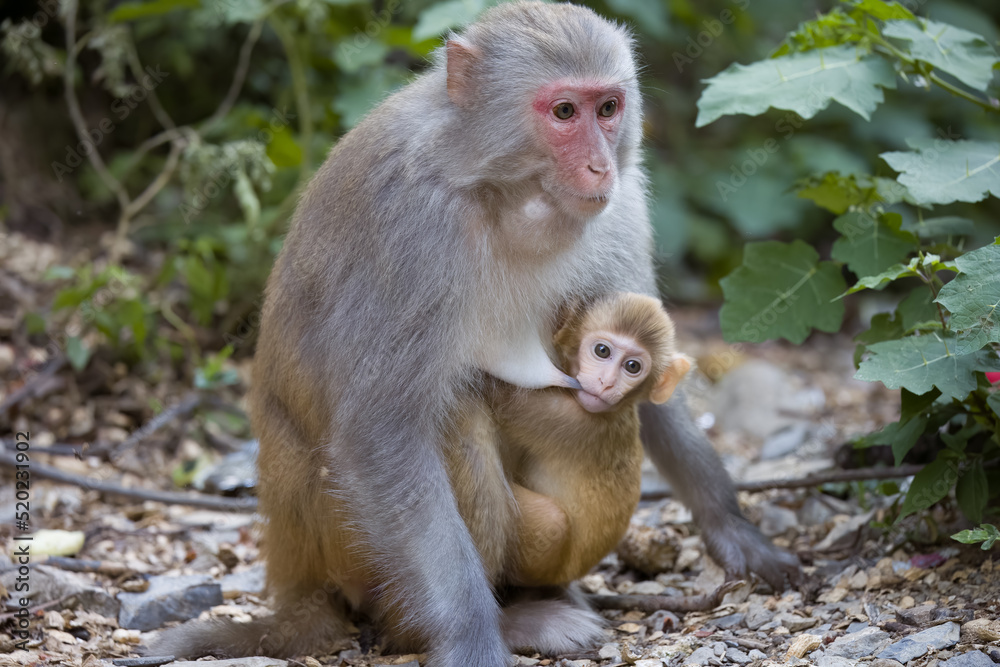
[(274, 636), (551, 626)]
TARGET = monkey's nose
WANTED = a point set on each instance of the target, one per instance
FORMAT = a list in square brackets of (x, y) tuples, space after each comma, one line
[(599, 169)]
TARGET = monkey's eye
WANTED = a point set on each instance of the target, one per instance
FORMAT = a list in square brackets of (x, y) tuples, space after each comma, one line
[(563, 111), (602, 350), (609, 108), (632, 366)]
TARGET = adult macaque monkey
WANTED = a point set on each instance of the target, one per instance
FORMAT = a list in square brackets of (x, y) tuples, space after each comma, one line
[(575, 457), (440, 237)]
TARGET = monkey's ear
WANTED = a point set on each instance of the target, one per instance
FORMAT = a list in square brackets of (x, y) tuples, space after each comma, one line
[(462, 61), (664, 388)]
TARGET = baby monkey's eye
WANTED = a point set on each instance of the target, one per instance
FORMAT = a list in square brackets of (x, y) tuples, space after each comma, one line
[(633, 366), (602, 350)]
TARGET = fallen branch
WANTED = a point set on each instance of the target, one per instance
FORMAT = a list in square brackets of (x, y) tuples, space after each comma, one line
[(815, 479), (183, 407), (650, 604), (168, 497), (90, 566)]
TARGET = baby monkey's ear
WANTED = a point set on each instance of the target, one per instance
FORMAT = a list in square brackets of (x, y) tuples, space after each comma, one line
[(664, 388)]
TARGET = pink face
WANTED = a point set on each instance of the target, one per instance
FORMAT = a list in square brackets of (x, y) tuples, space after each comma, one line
[(611, 366), (579, 122)]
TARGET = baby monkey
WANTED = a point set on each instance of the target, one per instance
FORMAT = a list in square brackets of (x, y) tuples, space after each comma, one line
[(573, 457)]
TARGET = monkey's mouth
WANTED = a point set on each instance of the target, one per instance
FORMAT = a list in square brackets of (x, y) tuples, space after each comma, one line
[(591, 402)]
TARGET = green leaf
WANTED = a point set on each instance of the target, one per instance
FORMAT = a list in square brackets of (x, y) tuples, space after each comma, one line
[(973, 296), (353, 54), (928, 263), (833, 192), (920, 363), (883, 327), (972, 491), (916, 405), (993, 400), (871, 245), (944, 226), (129, 11), (283, 150), (805, 83), (929, 485), (942, 172), (884, 11), (77, 353), (916, 309), (986, 533), (442, 17), (963, 54), (781, 290)]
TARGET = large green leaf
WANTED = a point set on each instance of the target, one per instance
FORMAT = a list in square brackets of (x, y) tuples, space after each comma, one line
[(805, 83), (930, 485), (920, 363), (973, 297), (941, 171), (781, 290), (963, 54), (972, 491), (870, 244)]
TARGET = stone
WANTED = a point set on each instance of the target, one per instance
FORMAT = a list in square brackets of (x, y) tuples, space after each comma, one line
[(913, 646), (737, 656), (248, 581), (168, 599), (804, 644), (834, 661), (776, 520), (75, 590), (612, 652), (647, 588), (757, 615), (885, 663), (757, 654), (758, 398), (728, 621), (785, 441), (861, 644), (649, 662), (856, 626), (796, 623), (981, 631), (719, 648), (970, 659), (701, 656)]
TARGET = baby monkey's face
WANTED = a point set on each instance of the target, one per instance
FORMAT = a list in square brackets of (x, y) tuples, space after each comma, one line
[(610, 367)]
